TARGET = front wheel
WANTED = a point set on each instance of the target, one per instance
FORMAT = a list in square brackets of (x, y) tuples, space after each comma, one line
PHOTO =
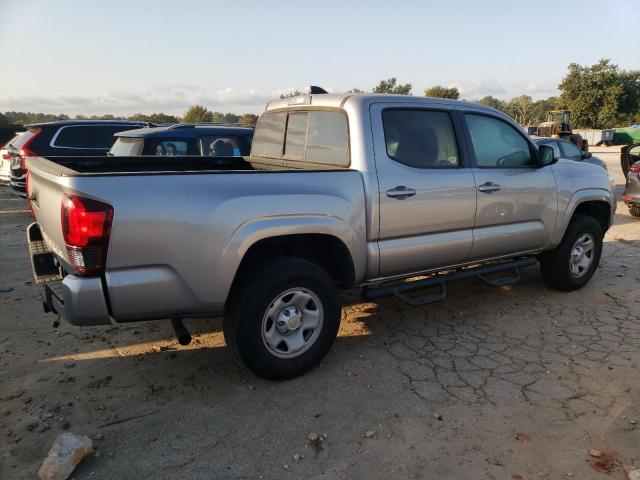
[(283, 317), (572, 263)]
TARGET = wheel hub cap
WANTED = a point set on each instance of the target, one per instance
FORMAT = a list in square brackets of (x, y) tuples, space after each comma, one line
[(292, 322), (289, 320)]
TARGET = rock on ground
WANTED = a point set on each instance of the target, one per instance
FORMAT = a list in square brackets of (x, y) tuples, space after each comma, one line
[(67, 451)]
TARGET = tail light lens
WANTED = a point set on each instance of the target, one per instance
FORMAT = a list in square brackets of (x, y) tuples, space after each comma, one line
[(25, 151), (635, 168), (86, 226)]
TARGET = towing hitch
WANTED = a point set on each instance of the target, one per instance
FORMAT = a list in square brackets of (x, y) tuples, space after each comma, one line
[(182, 334)]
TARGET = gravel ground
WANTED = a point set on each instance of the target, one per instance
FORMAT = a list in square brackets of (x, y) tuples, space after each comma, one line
[(492, 383)]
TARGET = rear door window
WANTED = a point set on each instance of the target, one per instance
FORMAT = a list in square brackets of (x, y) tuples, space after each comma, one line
[(224, 145), (420, 138), (168, 148)]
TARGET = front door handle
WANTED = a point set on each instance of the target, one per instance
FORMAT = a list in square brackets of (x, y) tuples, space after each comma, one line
[(401, 192), (489, 187)]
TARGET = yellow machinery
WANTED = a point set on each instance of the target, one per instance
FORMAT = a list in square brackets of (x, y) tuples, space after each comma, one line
[(558, 125)]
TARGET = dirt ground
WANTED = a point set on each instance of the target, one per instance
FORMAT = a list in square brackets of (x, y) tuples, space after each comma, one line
[(517, 382)]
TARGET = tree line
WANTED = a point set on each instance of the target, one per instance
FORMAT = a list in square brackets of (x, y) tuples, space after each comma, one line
[(194, 114), (599, 96)]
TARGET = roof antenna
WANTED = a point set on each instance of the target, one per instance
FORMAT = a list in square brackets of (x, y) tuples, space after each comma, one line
[(315, 90)]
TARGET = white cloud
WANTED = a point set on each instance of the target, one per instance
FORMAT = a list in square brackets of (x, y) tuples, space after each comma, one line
[(174, 99), (480, 88)]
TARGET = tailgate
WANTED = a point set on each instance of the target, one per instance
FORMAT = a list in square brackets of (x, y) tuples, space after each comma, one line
[(47, 184)]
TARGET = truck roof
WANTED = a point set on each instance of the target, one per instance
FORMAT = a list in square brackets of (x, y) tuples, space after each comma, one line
[(338, 100)]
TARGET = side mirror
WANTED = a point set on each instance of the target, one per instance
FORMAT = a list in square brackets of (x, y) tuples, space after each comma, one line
[(586, 154), (546, 156)]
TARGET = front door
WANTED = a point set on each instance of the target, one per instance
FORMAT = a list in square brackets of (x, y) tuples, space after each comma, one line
[(427, 193), (517, 200)]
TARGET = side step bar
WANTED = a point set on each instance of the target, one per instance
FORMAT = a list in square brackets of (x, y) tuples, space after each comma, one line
[(441, 279)]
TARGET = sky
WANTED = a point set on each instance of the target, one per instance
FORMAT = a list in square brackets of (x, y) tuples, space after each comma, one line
[(125, 57)]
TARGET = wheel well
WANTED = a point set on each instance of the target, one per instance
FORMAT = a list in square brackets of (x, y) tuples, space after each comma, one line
[(597, 209), (326, 251)]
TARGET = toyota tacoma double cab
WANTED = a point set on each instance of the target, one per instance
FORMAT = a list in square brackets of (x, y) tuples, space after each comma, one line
[(396, 195)]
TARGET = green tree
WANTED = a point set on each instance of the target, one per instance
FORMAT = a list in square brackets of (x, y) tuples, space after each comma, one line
[(3, 118), (519, 108), (540, 108), (391, 86), (230, 118), (249, 119), (217, 117), (355, 90), (292, 93), (493, 102), (154, 118), (601, 95), (197, 113), (438, 91)]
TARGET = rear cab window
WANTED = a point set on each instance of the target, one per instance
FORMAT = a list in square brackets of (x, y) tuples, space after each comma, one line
[(306, 136), (497, 144)]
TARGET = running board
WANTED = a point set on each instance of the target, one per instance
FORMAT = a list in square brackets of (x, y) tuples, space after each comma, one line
[(440, 280)]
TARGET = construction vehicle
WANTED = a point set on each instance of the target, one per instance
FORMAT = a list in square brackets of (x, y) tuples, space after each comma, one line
[(558, 125)]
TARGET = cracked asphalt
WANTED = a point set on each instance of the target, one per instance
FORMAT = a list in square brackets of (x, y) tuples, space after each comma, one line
[(492, 383)]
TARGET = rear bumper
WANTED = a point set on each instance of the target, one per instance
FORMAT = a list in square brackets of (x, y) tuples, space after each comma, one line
[(79, 300)]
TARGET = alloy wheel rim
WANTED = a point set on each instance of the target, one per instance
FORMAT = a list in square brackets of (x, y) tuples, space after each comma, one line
[(292, 323), (582, 254)]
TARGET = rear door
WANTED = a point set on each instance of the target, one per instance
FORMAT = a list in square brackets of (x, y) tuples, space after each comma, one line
[(427, 192), (517, 201)]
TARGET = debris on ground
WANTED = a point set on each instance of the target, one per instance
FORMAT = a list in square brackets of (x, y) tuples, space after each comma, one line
[(316, 442), (634, 474), (604, 462), (67, 451), (297, 457), (370, 434), (522, 437)]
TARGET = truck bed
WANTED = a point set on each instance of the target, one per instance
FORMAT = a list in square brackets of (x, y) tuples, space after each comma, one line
[(73, 166)]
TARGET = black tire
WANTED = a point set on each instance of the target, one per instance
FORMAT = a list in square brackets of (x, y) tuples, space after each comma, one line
[(555, 264), (255, 293), (634, 210)]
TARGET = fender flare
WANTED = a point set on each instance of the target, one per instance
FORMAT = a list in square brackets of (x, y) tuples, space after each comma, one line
[(579, 197), (252, 231)]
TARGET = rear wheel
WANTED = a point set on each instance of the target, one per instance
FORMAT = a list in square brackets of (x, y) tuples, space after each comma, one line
[(283, 317), (634, 210), (572, 264)]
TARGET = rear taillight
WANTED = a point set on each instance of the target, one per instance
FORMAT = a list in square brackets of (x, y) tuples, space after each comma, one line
[(86, 225), (635, 168), (25, 151)]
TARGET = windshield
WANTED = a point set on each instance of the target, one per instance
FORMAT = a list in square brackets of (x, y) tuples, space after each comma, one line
[(127, 147)]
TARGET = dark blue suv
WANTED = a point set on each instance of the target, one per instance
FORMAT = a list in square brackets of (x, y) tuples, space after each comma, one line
[(208, 140)]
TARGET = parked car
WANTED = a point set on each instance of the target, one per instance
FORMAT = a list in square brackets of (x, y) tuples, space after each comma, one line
[(7, 132), (629, 157), (340, 191), (185, 139), (5, 157), (631, 195), (566, 150), (64, 137)]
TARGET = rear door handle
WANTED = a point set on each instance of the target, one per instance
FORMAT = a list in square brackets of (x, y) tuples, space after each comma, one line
[(401, 192), (489, 187)]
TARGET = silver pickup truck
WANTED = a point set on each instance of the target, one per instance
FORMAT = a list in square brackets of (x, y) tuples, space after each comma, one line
[(340, 191)]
